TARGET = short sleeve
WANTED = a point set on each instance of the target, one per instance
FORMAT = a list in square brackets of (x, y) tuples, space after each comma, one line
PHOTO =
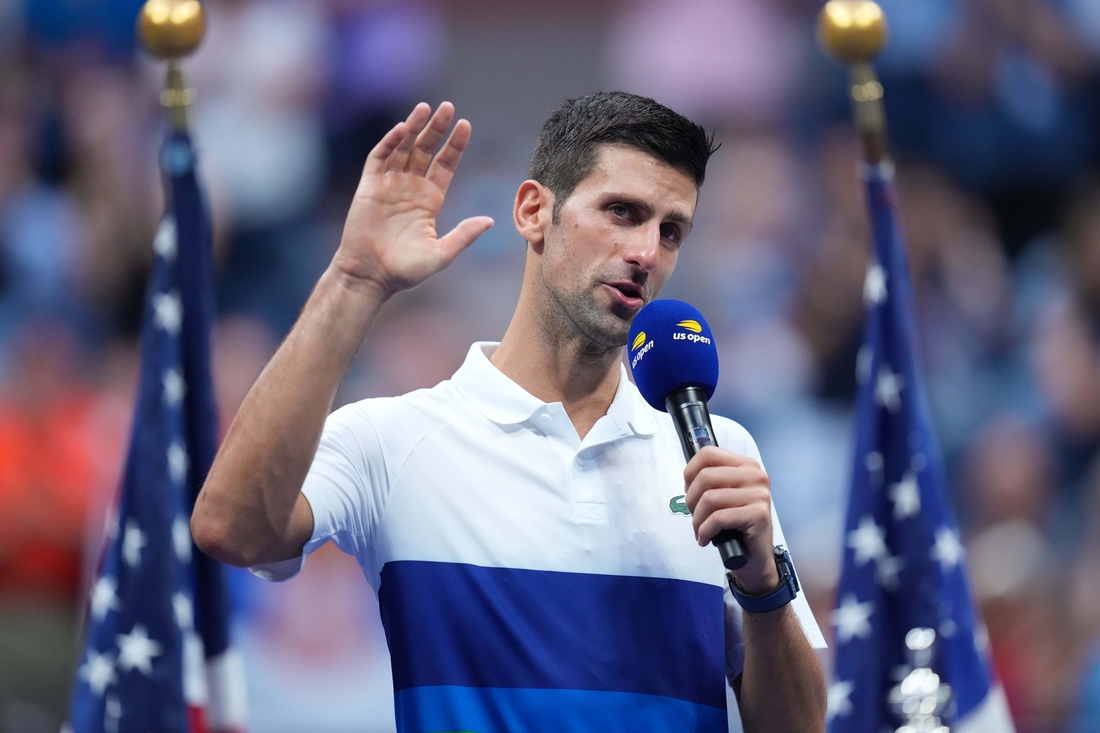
[(346, 487), (737, 439)]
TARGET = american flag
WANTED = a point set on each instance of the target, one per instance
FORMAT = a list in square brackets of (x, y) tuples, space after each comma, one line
[(156, 653), (903, 559)]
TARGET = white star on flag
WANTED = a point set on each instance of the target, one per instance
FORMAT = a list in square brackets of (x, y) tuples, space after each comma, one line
[(906, 496), (164, 244), (839, 704), (98, 671), (887, 570), (874, 285), (853, 619), (132, 541), (948, 627), (112, 713), (868, 540), (874, 464), (104, 597), (168, 311), (183, 611), (174, 387), (136, 649), (888, 389), (181, 539), (865, 358), (948, 551), (981, 638), (177, 462)]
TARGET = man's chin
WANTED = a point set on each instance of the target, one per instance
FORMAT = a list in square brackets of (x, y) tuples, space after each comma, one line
[(606, 325), (617, 336)]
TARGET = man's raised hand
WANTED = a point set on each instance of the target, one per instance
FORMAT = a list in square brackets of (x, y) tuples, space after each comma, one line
[(390, 239)]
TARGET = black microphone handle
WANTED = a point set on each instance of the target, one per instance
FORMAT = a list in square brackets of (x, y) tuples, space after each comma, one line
[(688, 408)]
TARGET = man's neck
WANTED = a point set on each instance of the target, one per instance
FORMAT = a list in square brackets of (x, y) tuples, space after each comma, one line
[(565, 370)]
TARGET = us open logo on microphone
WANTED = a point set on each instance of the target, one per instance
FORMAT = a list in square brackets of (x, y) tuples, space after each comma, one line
[(638, 341), (695, 332)]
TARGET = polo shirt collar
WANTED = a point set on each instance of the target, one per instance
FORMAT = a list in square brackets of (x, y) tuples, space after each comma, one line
[(503, 401), (631, 407)]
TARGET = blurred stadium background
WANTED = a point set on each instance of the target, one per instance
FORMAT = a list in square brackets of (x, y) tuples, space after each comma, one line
[(994, 113)]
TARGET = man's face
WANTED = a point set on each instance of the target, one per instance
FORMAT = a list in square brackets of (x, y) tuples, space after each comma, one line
[(616, 242)]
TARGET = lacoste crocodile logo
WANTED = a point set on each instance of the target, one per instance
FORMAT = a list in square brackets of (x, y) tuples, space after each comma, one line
[(677, 505)]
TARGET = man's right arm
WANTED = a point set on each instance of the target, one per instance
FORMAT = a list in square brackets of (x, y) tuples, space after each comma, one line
[(251, 510)]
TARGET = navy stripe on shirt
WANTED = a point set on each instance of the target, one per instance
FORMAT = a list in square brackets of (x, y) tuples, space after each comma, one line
[(472, 626), (497, 710)]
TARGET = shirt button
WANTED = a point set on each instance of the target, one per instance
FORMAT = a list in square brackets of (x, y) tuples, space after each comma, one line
[(545, 418), (581, 461)]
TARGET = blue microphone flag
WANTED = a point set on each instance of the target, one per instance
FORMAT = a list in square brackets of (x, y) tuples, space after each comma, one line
[(671, 347)]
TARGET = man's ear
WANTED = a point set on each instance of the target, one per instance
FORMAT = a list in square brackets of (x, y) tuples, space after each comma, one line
[(533, 212)]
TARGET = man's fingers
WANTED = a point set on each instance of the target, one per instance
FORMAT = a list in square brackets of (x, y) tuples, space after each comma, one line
[(713, 456), (442, 169), (428, 139), (463, 235), (741, 518), (714, 478), (415, 123), (380, 154), (717, 500)]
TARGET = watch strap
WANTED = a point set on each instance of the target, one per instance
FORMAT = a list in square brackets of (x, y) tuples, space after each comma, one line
[(784, 593)]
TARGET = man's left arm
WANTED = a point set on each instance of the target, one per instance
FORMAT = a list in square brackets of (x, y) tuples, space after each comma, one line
[(782, 686)]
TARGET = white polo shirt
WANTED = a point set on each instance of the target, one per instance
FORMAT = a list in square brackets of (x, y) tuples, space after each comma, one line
[(528, 579)]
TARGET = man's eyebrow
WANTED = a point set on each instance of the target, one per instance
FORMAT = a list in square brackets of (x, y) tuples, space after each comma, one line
[(678, 218), (674, 216)]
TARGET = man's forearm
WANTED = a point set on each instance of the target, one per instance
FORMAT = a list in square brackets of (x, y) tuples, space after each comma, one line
[(245, 513), (782, 685)]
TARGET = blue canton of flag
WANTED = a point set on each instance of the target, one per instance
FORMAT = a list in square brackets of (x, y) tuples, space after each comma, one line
[(903, 560), (158, 606)]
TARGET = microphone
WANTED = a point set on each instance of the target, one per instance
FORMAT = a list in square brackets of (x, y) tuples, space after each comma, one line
[(675, 366)]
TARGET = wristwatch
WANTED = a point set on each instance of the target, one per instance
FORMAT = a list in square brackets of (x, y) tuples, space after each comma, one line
[(781, 596)]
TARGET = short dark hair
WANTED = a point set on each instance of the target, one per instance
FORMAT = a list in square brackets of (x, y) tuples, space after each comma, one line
[(566, 150)]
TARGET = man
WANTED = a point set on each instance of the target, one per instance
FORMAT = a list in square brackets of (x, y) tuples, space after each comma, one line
[(518, 521)]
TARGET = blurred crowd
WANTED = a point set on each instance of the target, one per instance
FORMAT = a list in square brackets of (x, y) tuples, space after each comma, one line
[(994, 111)]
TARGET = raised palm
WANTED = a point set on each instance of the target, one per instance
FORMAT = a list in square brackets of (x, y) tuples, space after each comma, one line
[(390, 239)]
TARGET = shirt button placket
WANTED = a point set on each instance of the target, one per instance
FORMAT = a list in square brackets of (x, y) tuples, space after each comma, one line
[(588, 502)]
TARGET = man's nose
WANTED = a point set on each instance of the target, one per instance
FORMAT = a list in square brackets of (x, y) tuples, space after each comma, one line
[(643, 247)]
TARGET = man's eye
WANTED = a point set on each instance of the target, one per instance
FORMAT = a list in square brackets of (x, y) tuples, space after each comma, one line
[(671, 232), (619, 210)]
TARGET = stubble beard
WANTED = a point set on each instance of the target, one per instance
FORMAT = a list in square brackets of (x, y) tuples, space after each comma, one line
[(575, 318)]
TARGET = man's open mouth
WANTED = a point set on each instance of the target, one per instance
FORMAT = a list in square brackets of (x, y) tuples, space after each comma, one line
[(628, 289)]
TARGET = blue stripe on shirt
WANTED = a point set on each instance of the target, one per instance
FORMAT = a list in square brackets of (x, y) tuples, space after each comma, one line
[(451, 624), (496, 710)]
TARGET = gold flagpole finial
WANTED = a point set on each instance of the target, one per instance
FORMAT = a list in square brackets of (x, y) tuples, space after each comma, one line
[(171, 30), (854, 32)]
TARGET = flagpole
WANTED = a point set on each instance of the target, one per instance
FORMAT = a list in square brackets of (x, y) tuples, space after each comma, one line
[(213, 672), (902, 589), (854, 33), (171, 30)]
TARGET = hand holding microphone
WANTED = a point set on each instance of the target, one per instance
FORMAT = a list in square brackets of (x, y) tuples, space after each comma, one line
[(675, 365)]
